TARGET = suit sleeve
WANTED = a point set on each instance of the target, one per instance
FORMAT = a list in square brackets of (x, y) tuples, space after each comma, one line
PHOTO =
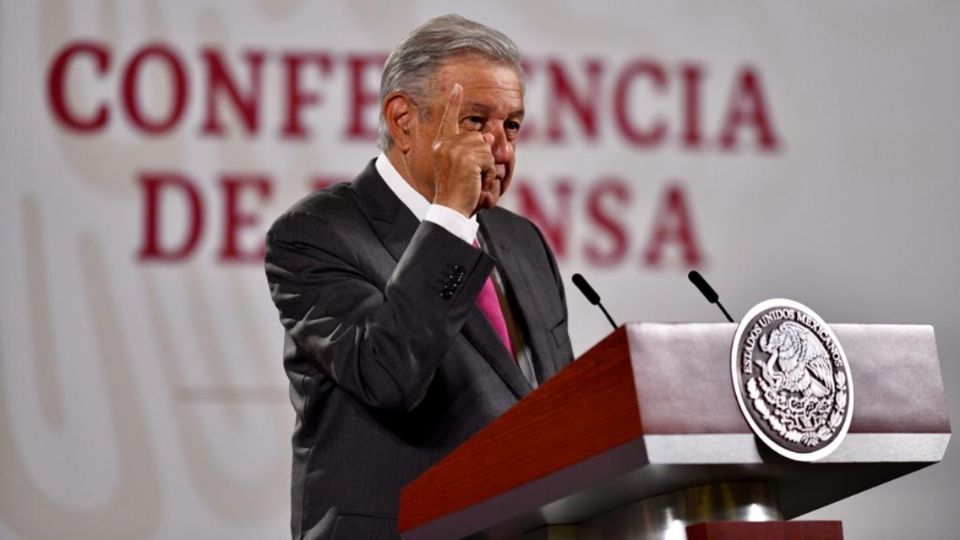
[(380, 345)]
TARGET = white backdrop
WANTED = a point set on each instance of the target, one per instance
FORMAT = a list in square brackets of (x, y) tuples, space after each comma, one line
[(803, 151)]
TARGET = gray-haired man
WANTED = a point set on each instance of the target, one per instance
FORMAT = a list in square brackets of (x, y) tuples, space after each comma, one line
[(415, 310)]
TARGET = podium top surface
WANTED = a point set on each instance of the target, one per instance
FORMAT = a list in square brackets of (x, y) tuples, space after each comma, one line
[(651, 409), (682, 377)]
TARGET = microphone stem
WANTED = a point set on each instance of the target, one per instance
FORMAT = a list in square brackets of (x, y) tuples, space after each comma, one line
[(725, 314), (609, 318)]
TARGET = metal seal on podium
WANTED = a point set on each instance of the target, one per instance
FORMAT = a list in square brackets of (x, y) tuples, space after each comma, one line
[(792, 379)]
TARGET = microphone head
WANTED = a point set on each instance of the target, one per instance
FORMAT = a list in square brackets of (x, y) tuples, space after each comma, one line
[(586, 289), (704, 287)]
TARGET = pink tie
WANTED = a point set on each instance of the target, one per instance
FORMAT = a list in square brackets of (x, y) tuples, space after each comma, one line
[(490, 306)]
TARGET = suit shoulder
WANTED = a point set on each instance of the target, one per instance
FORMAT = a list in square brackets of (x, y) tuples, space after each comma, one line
[(506, 220), (501, 223), (506, 217), (329, 205), (334, 199)]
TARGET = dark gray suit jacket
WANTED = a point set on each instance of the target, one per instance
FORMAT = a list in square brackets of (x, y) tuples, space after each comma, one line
[(388, 373)]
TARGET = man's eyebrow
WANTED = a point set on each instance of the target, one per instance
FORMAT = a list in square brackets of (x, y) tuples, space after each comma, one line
[(474, 106), (482, 108)]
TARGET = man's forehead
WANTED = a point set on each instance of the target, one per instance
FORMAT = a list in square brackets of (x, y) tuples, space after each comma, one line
[(485, 85), (476, 73)]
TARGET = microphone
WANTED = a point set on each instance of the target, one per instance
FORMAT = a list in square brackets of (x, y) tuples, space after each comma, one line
[(592, 296), (707, 291)]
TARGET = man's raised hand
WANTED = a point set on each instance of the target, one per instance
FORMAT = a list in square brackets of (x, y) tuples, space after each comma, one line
[(462, 162)]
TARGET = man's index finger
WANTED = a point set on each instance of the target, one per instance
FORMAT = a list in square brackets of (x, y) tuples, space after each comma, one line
[(450, 121)]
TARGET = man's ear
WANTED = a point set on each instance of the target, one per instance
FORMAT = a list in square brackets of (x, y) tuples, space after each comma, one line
[(400, 114)]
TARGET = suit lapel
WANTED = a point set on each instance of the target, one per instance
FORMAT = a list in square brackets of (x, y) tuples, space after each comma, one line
[(485, 340), (519, 278), (395, 224)]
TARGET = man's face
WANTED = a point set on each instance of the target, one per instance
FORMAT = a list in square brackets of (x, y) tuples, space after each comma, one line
[(492, 103)]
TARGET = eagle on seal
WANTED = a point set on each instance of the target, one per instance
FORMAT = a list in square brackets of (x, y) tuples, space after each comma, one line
[(798, 361)]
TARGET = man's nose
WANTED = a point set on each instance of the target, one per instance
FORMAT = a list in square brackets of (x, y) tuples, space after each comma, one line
[(501, 147)]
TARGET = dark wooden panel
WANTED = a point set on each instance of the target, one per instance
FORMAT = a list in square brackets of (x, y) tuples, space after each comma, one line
[(768, 530)]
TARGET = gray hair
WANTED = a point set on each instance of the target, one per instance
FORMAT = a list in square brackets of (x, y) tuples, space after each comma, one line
[(412, 63)]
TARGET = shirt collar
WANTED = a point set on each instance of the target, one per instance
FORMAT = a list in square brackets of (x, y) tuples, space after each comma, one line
[(411, 198)]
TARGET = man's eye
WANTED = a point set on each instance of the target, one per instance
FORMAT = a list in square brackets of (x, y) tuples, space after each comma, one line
[(474, 122), (512, 125)]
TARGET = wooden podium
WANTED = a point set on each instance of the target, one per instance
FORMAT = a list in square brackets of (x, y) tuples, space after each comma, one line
[(642, 437)]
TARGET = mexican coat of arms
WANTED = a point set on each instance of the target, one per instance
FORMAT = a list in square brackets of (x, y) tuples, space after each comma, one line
[(792, 380)]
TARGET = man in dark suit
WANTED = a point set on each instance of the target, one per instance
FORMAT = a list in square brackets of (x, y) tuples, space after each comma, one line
[(415, 310)]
